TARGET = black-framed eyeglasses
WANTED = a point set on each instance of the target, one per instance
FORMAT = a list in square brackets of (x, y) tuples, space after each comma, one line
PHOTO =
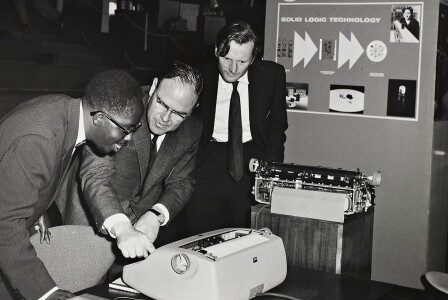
[(127, 131), (176, 113)]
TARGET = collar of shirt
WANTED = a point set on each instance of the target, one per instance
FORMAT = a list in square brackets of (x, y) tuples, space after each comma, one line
[(81, 137), (222, 84), (220, 127), (159, 140)]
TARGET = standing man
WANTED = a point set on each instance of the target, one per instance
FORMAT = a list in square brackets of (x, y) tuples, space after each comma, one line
[(131, 194), (38, 142), (243, 111)]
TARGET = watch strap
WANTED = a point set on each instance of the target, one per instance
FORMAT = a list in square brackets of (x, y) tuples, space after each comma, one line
[(158, 214)]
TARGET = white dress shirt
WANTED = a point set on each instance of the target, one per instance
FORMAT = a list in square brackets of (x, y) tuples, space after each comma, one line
[(220, 129)]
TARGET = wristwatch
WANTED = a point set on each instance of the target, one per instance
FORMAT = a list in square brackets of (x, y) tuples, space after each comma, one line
[(160, 216)]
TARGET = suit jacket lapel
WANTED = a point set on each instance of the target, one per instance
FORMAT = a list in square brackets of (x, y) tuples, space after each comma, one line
[(72, 127), (69, 144), (142, 141), (166, 150), (208, 100), (255, 99), (71, 134)]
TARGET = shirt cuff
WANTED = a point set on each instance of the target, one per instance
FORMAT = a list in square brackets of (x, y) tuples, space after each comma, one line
[(49, 293), (162, 209), (113, 220)]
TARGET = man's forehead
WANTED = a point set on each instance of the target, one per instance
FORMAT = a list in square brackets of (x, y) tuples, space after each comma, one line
[(248, 45), (167, 81), (176, 93), (175, 85), (245, 49)]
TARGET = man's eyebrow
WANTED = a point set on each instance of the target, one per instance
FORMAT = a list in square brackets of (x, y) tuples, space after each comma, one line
[(176, 111), (182, 112)]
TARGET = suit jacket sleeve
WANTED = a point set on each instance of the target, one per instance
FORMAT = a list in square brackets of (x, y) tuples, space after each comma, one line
[(179, 183), (96, 173), (278, 122), (22, 176)]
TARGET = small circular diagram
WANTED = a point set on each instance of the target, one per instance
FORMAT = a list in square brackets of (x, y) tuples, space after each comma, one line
[(376, 51)]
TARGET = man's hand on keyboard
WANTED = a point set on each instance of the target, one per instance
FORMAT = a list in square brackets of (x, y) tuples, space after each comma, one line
[(149, 225), (132, 242)]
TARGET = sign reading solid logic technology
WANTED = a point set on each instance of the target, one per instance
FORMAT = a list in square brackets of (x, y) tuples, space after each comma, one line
[(358, 59)]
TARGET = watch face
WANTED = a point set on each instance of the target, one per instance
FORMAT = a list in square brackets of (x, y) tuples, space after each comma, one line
[(376, 51), (346, 100)]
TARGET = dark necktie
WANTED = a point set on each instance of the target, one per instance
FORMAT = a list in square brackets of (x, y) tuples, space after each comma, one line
[(153, 152), (235, 144), (152, 158)]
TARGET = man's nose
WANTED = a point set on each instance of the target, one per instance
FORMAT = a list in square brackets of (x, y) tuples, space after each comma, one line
[(233, 67), (166, 115)]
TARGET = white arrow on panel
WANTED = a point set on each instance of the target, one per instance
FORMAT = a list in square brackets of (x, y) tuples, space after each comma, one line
[(349, 50), (303, 49)]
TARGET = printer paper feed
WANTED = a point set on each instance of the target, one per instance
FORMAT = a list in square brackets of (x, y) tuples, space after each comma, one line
[(235, 245), (319, 205)]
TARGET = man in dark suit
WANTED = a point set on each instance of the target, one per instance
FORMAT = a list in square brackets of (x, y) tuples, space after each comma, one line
[(243, 112), (131, 194), (38, 143)]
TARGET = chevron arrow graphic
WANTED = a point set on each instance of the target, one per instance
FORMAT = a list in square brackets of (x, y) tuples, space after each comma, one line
[(349, 50), (303, 49)]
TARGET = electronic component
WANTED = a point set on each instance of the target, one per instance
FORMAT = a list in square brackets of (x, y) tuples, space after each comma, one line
[(359, 188)]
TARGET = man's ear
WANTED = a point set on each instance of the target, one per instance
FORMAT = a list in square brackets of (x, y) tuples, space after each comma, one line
[(153, 87), (216, 51), (96, 119)]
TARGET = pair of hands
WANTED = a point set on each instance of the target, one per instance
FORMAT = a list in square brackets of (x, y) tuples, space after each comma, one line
[(137, 241)]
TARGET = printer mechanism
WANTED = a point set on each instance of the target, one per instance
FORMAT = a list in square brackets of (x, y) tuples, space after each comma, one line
[(201, 245), (358, 187)]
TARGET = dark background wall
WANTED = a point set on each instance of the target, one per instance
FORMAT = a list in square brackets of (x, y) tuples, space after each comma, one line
[(45, 61)]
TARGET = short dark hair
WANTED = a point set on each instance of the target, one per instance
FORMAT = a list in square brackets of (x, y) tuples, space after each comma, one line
[(186, 73), (114, 91), (239, 32), (411, 10)]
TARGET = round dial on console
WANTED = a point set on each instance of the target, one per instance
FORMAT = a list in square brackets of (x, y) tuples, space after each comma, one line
[(180, 263)]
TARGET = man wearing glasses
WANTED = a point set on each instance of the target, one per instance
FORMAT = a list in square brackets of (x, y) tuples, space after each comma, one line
[(39, 142), (126, 131), (144, 186)]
